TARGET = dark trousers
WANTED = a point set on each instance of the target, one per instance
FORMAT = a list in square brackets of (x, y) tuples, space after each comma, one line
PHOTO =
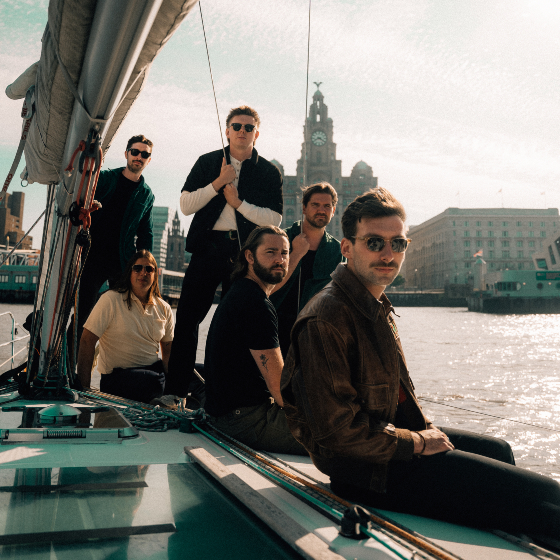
[(94, 275), (140, 384), (205, 272), (477, 484)]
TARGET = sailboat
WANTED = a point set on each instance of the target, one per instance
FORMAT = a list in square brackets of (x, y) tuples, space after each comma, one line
[(93, 475)]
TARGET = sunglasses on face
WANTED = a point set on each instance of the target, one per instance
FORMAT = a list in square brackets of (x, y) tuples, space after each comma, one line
[(238, 126), (139, 267), (135, 152), (376, 244)]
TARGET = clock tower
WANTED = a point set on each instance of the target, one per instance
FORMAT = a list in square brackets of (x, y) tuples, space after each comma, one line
[(318, 153), (318, 146)]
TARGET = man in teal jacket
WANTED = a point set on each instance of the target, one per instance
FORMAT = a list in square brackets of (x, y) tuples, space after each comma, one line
[(125, 215), (314, 255)]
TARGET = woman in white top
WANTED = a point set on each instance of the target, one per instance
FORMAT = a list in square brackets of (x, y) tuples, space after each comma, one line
[(131, 322)]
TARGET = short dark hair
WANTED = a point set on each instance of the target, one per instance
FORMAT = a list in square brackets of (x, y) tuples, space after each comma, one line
[(254, 240), (123, 284), (139, 138), (375, 203), (323, 187), (243, 110)]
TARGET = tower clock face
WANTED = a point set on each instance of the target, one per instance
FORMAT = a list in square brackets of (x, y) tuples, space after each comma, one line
[(318, 138)]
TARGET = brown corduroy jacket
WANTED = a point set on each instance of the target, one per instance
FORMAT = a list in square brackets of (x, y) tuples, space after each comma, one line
[(340, 384)]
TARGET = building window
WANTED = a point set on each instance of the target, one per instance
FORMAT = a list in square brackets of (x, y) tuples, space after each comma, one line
[(505, 243), (336, 181), (531, 234), (20, 279), (467, 265), (505, 234), (519, 234), (4, 278), (467, 254), (518, 224), (490, 224), (505, 254), (490, 244), (519, 254), (453, 223), (505, 224), (543, 233), (467, 243), (490, 234), (543, 224), (466, 223), (531, 243), (490, 254), (454, 233), (479, 243), (467, 233), (530, 224), (454, 243), (520, 266), (479, 234), (478, 224), (519, 243)]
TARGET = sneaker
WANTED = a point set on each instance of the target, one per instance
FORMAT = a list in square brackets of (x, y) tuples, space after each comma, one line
[(170, 402)]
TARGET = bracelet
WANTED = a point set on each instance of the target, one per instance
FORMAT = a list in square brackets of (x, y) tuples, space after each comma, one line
[(423, 444)]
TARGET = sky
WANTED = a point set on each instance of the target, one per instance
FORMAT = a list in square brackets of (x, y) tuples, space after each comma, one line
[(453, 104)]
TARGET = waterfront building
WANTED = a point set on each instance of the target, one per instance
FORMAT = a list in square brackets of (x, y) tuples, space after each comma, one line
[(161, 220), (444, 248), (176, 246), (11, 221), (322, 165)]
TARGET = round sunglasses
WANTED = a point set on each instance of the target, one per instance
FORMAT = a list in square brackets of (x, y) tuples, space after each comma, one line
[(237, 127)]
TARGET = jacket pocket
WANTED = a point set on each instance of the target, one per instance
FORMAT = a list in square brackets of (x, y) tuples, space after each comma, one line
[(373, 397)]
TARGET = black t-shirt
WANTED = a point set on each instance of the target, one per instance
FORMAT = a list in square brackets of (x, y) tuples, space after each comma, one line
[(289, 309), (244, 320), (106, 223)]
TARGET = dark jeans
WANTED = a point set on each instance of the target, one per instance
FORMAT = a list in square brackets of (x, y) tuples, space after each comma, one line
[(140, 384), (205, 272), (95, 274), (477, 484), (262, 427)]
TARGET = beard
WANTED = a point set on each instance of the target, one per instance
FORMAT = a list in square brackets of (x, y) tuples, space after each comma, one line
[(269, 275), (318, 222), (134, 168)]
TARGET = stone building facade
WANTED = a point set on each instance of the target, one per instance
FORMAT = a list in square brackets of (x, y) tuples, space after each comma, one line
[(176, 246), (443, 248), (11, 220), (322, 165)]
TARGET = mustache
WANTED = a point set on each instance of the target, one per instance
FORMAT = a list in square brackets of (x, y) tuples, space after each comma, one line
[(381, 264)]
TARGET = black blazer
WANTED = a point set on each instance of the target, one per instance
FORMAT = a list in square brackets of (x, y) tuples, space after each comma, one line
[(260, 183)]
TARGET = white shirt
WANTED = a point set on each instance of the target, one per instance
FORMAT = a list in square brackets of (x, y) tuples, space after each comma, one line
[(129, 337), (192, 202)]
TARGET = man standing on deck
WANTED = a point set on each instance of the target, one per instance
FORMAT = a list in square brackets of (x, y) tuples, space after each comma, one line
[(314, 255), (350, 401), (229, 197), (125, 215), (243, 363)]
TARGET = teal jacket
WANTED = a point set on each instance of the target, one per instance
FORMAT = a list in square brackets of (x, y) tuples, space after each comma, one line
[(327, 258), (137, 221)]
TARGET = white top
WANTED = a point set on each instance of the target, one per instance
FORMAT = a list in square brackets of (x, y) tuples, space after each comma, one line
[(129, 337), (192, 202)]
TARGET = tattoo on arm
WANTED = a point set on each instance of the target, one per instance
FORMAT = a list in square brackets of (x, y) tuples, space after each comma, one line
[(264, 361)]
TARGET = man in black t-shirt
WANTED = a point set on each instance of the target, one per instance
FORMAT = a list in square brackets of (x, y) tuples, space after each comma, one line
[(243, 363), (122, 226)]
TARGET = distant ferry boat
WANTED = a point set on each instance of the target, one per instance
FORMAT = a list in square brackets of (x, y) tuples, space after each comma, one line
[(18, 275)]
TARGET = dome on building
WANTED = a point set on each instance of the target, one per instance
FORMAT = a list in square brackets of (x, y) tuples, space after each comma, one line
[(362, 169)]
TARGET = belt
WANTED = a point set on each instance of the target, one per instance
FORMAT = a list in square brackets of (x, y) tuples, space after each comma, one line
[(230, 234)]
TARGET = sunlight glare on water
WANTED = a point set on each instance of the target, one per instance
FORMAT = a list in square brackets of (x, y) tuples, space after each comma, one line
[(501, 365)]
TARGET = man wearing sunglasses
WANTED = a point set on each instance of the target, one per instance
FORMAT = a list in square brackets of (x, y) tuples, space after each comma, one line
[(122, 226), (349, 400), (229, 198)]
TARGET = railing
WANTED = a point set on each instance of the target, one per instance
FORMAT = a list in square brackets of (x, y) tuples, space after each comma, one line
[(13, 341)]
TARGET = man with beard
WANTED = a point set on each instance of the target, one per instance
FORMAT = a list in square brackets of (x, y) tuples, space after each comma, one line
[(314, 255), (121, 227), (350, 401), (243, 362)]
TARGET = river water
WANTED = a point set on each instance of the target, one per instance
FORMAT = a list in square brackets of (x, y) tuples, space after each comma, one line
[(481, 369)]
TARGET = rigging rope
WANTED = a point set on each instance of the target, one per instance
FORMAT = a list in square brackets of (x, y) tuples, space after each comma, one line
[(490, 415), (212, 79), (21, 240)]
